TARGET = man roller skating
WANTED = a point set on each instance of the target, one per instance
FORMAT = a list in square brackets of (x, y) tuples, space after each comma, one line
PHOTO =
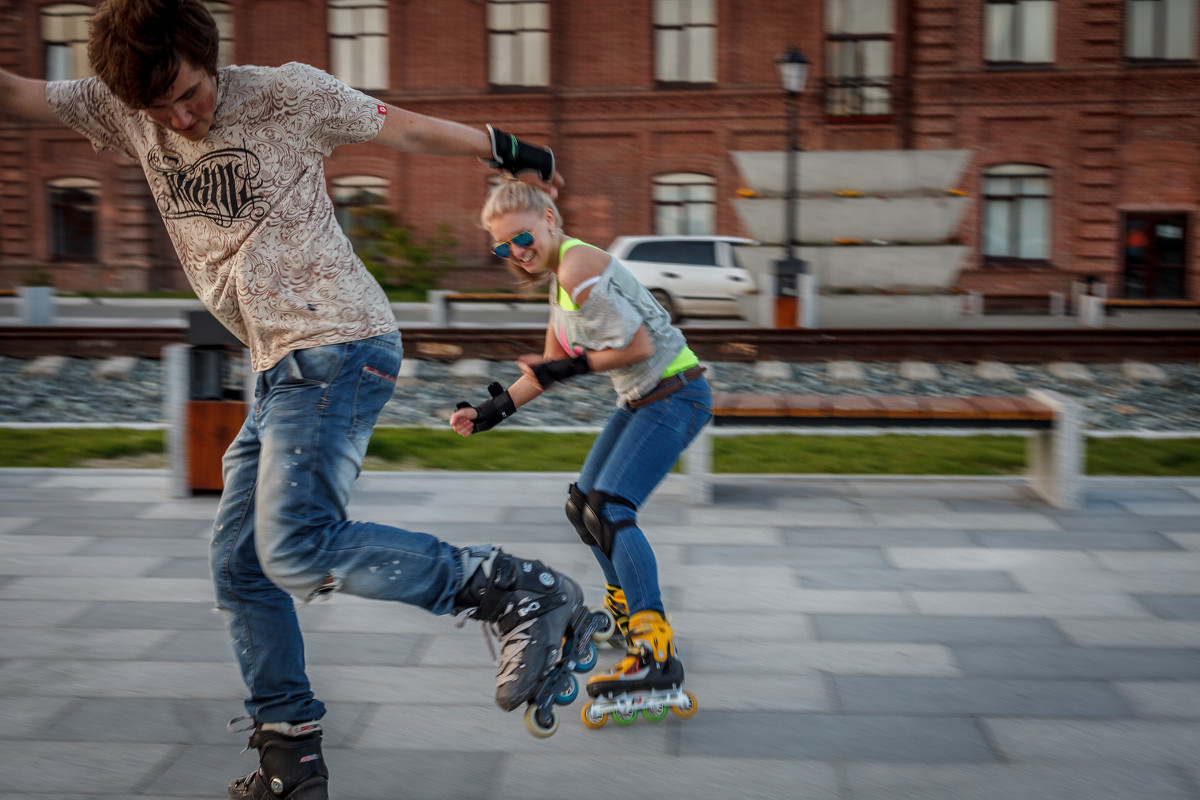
[(234, 158)]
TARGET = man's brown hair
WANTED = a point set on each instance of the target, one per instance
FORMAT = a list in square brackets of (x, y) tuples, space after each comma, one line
[(137, 46)]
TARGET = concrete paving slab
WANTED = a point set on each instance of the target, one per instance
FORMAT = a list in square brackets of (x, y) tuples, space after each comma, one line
[(104, 768), (149, 615), (1015, 781), (1188, 541), (847, 638), (1094, 663), (1024, 604), (979, 696), (834, 737), (1131, 633), (936, 630), (1116, 741), (906, 579), (1170, 606), (874, 537), (1164, 699), (1074, 540)]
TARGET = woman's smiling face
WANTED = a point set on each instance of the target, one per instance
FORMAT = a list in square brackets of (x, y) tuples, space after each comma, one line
[(535, 257)]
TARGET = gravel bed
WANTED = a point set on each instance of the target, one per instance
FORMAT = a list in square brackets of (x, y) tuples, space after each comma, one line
[(1114, 403)]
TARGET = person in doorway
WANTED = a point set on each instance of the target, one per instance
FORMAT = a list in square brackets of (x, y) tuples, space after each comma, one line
[(234, 159), (603, 320)]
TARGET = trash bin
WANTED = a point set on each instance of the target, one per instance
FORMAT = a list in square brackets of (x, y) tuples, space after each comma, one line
[(206, 398), (787, 291)]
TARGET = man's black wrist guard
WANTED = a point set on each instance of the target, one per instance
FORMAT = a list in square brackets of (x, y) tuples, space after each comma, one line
[(550, 371), (493, 411), (512, 155)]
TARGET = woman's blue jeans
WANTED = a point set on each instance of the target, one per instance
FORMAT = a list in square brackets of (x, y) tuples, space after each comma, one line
[(634, 452), (281, 530)]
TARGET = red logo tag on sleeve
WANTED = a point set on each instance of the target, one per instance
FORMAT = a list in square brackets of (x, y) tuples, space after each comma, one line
[(382, 108)]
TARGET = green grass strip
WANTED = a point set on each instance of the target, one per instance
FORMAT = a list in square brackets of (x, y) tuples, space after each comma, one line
[(529, 451)]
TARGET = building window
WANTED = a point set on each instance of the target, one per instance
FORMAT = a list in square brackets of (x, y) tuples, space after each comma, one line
[(1160, 30), (1020, 32), (358, 42), (1016, 214), (859, 63), (354, 198), (685, 41), (684, 204), (73, 204), (222, 14), (64, 36), (519, 42)]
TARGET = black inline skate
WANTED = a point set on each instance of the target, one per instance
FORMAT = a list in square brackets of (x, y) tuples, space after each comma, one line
[(544, 629), (290, 765), (649, 679)]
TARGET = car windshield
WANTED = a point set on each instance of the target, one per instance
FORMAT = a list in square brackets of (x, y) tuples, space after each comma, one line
[(675, 252)]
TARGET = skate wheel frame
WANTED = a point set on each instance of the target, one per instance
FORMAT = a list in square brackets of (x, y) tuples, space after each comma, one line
[(653, 705)]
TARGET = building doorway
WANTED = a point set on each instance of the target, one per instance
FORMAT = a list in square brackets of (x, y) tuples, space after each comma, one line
[(1155, 253)]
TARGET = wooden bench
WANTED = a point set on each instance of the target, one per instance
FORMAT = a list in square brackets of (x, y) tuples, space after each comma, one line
[(1054, 421), (1117, 303), (440, 302), (1052, 303), (1093, 310)]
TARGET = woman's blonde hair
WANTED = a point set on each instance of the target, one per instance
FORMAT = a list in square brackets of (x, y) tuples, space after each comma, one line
[(512, 195)]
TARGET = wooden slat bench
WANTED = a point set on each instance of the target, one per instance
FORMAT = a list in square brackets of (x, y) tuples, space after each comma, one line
[(1093, 310), (1055, 422), (441, 301)]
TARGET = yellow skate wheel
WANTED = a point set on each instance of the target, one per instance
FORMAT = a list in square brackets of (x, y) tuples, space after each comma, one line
[(592, 719), (691, 708), (610, 627), (535, 727)]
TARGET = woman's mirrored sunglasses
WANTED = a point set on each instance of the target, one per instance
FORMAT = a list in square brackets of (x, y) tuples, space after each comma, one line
[(504, 249)]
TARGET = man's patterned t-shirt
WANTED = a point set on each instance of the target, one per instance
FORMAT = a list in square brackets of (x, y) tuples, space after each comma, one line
[(246, 206)]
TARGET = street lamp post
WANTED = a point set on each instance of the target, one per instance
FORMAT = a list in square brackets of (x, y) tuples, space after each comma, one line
[(793, 74)]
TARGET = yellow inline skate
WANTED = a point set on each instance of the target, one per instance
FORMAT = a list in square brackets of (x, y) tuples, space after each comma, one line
[(649, 679)]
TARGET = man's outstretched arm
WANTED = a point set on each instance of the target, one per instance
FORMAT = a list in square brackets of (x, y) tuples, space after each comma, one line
[(417, 133), (24, 97)]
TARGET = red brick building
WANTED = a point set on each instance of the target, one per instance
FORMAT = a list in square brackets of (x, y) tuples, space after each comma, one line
[(1082, 117)]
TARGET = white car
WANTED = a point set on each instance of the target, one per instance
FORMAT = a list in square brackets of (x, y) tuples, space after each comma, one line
[(690, 276)]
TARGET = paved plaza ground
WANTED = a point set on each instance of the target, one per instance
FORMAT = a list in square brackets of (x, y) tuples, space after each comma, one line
[(847, 639)]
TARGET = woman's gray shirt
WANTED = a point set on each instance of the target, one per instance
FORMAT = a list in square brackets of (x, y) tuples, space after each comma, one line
[(616, 307)]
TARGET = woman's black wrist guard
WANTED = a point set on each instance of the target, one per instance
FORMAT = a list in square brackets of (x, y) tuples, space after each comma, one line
[(550, 371), (512, 155), (493, 411)]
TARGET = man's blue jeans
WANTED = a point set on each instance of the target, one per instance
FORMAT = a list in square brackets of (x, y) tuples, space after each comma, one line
[(281, 530), (634, 452)]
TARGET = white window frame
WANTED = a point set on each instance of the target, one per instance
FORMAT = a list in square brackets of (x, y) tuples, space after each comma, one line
[(1020, 31), (222, 14), (58, 236), (1018, 204), (64, 32), (685, 41), (349, 192), (685, 204), (358, 42), (518, 42), (859, 57), (1160, 30)]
